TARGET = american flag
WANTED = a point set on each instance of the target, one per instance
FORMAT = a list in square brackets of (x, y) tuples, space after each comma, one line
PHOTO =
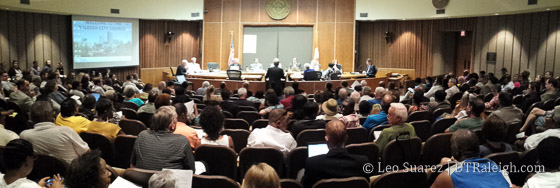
[(231, 52)]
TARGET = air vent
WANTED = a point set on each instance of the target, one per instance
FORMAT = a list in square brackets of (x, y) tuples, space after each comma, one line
[(363, 15), (25, 2), (532, 2), (115, 11), (440, 11), (195, 14)]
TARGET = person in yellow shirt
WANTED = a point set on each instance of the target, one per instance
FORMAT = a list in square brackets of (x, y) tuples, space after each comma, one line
[(182, 128), (101, 125), (67, 116)]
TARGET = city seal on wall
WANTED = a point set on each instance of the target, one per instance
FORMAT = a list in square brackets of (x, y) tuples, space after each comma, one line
[(278, 9)]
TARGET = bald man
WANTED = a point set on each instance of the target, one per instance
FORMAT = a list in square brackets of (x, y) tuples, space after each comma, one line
[(337, 163)]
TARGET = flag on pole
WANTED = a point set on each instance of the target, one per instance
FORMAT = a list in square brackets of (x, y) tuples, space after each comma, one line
[(231, 52)]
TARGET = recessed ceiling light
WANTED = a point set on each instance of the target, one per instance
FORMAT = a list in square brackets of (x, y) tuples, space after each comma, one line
[(449, 17), (403, 19), (496, 14), (548, 9)]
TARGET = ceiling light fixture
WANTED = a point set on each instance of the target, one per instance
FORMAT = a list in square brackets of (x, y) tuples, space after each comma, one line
[(496, 14)]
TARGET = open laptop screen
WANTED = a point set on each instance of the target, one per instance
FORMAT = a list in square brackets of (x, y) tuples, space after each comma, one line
[(317, 148)]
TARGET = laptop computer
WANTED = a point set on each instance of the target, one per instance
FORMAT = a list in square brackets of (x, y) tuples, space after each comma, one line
[(317, 148)]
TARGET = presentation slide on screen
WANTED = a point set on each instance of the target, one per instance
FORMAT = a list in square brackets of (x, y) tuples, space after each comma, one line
[(104, 42)]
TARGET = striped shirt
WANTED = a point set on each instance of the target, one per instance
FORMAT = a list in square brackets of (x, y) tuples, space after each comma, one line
[(155, 150)]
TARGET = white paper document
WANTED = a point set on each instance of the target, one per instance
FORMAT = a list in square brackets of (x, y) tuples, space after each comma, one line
[(123, 183), (250, 44), (183, 178)]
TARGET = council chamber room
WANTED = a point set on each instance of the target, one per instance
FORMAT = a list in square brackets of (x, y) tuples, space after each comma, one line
[(279, 93)]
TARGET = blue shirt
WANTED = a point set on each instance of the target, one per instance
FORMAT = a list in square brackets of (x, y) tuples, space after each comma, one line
[(308, 70), (374, 101), (375, 120), (478, 172), (136, 101)]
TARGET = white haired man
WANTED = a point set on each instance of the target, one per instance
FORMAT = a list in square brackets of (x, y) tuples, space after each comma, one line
[(183, 68), (235, 65), (397, 118), (195, 66), (242, 101), (202, 90)]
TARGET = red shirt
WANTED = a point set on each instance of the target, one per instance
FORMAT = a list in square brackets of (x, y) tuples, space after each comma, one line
[(287, 102)]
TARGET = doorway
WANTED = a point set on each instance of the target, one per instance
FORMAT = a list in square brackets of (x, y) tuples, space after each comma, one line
[(452, 52)]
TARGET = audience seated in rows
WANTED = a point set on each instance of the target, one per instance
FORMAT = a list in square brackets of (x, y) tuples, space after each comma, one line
[(548, 152), (473, 121), (310, 110), (68, 116), (212, 122), (381, 117), (288, 96), (350, 118), (203, 88), (396, 117), (533, 141), (228, 105), (88, 106), (275, 134), (330, 110), (271, 102), (297, 110), (129, 92), (210, 95), (88, 170), (22, 97), (162, 179), (509, 113), (182, 128), (6, 135), (101, 124), (494, 130), (242, 101), (149, 107)]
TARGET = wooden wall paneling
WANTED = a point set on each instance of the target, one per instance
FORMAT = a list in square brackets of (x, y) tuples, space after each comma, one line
[(486, 43), (543, 35), (251, 10), (55, 40), (427, 44), (226, 42), (551, 41), (214, 8), (517, 34), (65, 42), (326, 43), (212, 42), (293, 16), (493, 45), (263, 16), (508, 44), (231, 11), (326, 10), (345, 10), (4, 51), (307, 11), (557, 53), (37, 29), (478, 34), (525, 43), (344, 45), (47, 50), (20, 36), (12, 37), (500, 42), (534, 43), (29, 37)]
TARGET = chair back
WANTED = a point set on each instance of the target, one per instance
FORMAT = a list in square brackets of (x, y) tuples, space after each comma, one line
[(312, 75), (255, 155), (145, 118), (204, 181), (356, 135), (46, 165), (400, 178), (197, 100), (441, 125), (435, 148), (368, 149), (480, 135), (557, 102), (438, 112), (488, 97), (231, 123), (101, 143), (220, 160), (432, 176), (247, 108), (504, 158), (260, 123), (354, 182), (548, 105), (422, 128), (132, 127), (138, 176), (295, 161), (249, 116), (227, 114), (290, 183), (399, 151), (453, 100), (310, 135), (234, 74), (362, 120), (336, 76), (371, 136), (131, 105), (239, 137), (527, 158), (512, 131), (124, 146), (418, 116), (129, 113)]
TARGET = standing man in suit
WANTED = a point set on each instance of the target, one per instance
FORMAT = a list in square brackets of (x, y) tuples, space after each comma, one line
[(371, 70), (182, 69), (275, 76), (337, 163)]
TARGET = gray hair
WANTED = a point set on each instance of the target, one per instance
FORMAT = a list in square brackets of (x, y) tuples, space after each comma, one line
[(363, 83), (163, 179), (342, 93), (366, 90), (42, 112), (379, 91), (400, 111), (242, 92), (289, 91), (205, 84), (163, 117), (307, 65), (129, 90)]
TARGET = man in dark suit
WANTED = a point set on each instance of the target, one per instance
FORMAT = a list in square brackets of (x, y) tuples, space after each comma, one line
[(371, 70), (337, 163), (182, 69), (228, 105), (275, 76)]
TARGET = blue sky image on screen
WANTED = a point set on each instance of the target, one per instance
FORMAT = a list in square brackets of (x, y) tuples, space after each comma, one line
[(96, 42)]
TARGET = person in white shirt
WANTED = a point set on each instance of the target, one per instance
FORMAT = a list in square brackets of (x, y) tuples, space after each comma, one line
[(275, 134), (366, 91), (330, 110), (18, 159), (6, 135), (315, 65), (548, 152), (47, 138), (195, 66), (437, 86), (453, 89), (255, 66), (532, 141)]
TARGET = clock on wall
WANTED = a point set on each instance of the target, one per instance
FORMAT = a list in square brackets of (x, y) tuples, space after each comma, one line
[(439, 4)]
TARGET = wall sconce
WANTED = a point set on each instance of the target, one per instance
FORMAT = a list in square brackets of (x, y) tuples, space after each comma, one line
[(388, 37), (168, 36)]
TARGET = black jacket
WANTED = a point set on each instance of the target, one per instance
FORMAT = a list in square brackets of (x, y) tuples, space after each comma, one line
[(337, 163), (302, 125), (229, 106), (181, 70), (275, 74)]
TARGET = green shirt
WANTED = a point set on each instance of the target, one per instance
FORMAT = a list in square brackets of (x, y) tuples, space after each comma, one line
[(392, 132), (469, 123)]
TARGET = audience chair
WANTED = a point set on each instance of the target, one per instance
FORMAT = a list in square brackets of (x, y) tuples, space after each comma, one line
[(354, 182), (441, 125), (132, 127), (260, 123), (504, 159), (199, 97), (527, 158), (422, 129), (145, 118), (292, 122), (312, 75), (231, 123), (488, 97), (435, 148), (548, 105), (401, 178), (290, 183), (310, 135), (124, 146), (512, 131), (356, 135), (433, 174), (101, 143), (295, 161), (453, 100), (254, 155), (399, 151), (438, 112), (131, 105), (517, 100), (197, 101), (534, 105), (247, 108), (480, 135), (362, 120), (336, 76), (239, 137), (368, 149), (129, 113), (371, 136), (138, 176), (220, 160), (46, 165), (249, 116), (418, 116), (227, 114), (201, 107), (204, 181), (234, 74)]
